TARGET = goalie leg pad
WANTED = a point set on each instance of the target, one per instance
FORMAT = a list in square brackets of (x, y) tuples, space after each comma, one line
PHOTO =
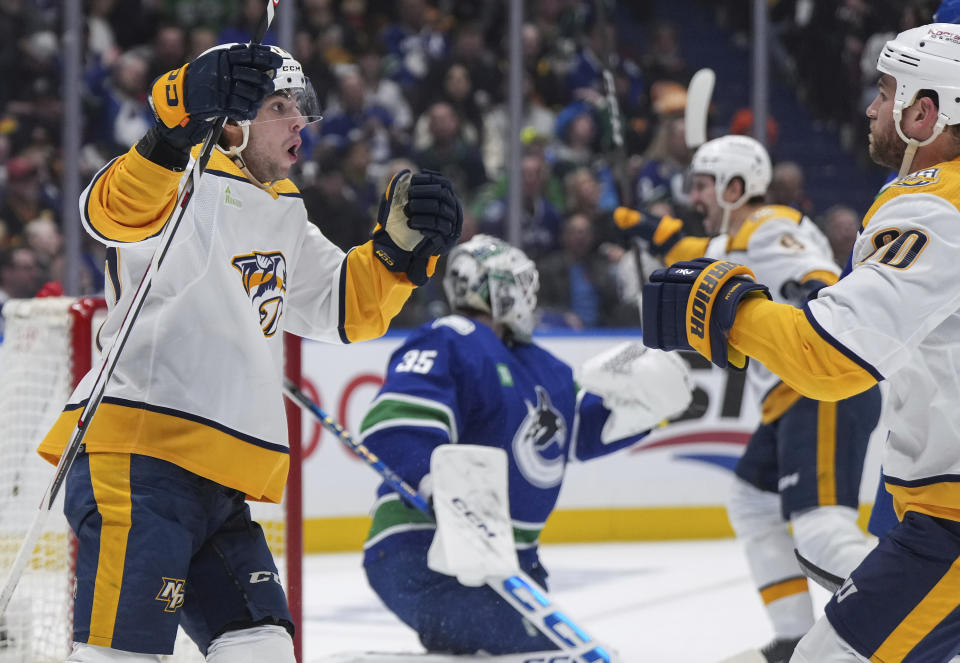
[(692, 305), (474, 536)]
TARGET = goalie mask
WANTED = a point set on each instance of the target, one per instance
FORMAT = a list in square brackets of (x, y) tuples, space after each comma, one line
[(730, 157), (488, 275), (289, 82), (924, 58)]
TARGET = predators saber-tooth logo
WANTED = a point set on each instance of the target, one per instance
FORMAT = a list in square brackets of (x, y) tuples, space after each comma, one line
[(264, 277), (172, 593)]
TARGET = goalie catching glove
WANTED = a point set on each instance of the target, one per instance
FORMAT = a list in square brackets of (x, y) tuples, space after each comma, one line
[(222, 82), (641, 387), (419, 220), (692, 304)]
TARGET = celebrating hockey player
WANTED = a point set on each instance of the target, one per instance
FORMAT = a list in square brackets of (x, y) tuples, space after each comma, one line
[(192, 422), (802, 465), (896, 316), (476, 378)]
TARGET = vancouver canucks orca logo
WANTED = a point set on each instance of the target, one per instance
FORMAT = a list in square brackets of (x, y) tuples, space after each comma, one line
[(264, 278), (539, 443)]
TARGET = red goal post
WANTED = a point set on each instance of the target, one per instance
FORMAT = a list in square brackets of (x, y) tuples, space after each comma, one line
[(48, 345)]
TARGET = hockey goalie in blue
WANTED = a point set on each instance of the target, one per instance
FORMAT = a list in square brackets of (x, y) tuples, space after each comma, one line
[(476, 377)]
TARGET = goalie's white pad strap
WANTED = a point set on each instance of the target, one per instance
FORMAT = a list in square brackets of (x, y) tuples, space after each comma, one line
[(474, 537), (253, 645), (641, 387)]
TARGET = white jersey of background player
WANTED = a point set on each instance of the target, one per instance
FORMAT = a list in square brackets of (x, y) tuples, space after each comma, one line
[(192, 419), (896, 316), (797, 469)]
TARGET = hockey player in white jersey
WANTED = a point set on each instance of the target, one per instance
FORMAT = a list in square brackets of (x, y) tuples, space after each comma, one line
[(895, 317), (192, 421), (802, 466)]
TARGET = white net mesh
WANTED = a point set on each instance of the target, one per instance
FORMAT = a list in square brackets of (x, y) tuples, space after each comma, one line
[(38, 363), (35, 380)]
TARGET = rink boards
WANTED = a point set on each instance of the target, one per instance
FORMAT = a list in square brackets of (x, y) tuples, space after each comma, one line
[(671, 486)]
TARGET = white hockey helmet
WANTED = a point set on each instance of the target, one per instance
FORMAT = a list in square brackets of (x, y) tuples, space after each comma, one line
[(488, 275), (289, 76), (289, 80), (729, 157), (924, 58)]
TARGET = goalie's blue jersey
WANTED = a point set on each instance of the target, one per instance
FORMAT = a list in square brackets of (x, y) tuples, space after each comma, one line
[(455, 381)]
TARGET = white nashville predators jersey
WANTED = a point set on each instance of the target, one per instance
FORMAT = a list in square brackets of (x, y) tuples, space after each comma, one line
[(785, 250), (198, 382), (897, 315)]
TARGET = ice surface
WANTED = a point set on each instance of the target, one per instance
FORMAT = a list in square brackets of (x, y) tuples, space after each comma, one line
[(676, 602)]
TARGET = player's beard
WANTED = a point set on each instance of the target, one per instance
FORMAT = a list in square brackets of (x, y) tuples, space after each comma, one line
[(263, 162), (886, 148)]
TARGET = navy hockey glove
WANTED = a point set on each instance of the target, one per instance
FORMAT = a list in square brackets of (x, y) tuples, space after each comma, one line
[(692, 304), (229, 82), (660, 233), (419, 220)]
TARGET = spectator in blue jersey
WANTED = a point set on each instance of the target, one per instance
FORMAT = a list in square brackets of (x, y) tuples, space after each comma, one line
[(477, 377)]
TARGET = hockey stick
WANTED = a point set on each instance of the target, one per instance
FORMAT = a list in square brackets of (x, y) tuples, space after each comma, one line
[(697, 110), (618, 161), (75, 445), (401, 657), (822, 577), (519, 590)]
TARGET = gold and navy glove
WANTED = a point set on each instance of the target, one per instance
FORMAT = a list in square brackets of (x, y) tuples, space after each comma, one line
[(660, 233), (419, 220), (226, 82), (692, 304)]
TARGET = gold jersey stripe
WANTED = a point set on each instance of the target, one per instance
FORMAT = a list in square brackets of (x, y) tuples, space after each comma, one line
[(373, 295), (196, 447), (934, 499)]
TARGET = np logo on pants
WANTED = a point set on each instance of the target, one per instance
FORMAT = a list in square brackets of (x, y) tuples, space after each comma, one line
[(172, 592)]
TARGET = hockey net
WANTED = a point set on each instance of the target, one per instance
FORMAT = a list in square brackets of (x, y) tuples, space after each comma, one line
[(48, 345)]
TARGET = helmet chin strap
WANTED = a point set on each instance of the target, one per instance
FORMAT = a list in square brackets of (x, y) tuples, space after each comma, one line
[(234, 154), (728, 208), (913, 143)]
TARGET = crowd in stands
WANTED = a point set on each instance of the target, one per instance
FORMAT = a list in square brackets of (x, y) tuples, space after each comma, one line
[(422, 84)]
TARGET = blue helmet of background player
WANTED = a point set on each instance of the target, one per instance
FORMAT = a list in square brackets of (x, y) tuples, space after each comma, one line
[(487, 275), (948, 12)]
